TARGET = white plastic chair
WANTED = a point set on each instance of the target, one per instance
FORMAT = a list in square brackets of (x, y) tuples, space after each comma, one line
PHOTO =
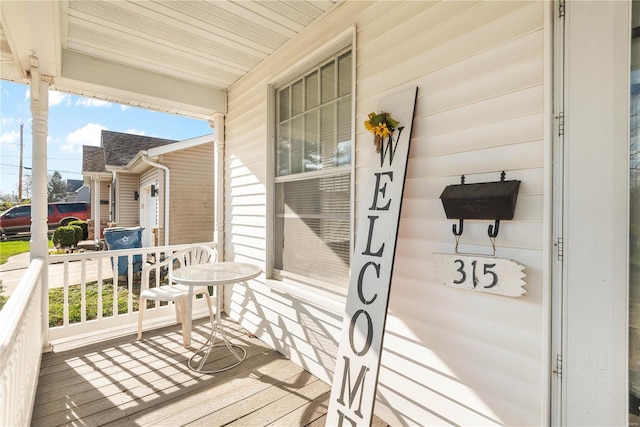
[(176, 293)]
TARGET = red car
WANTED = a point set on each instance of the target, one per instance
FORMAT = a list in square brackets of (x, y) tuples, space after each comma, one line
[(18, 218)]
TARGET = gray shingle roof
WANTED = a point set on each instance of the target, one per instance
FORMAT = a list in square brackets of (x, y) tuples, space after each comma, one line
[(93, 159), (73, 185), (120, 148)]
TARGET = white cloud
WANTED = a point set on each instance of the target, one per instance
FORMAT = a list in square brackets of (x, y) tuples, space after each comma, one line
[(10, 138), (55, 98), (87, 135), (124, 107), (6, 121), (92, 102), (58, 98)]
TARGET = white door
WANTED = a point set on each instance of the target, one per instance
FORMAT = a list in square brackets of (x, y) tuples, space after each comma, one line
[(148, 215)]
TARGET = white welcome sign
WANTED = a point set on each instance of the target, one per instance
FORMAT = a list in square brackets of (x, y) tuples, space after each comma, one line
[(356, 374)]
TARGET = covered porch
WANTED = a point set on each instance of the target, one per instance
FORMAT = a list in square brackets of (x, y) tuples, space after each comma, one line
[(539, 90)]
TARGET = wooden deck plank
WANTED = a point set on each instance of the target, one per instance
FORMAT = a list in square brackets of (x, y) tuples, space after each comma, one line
[(113, 372), (163, 339), (143, 386), (124, 382), (112, 369), (321, 422), (95, 389), (307, 414), (110, 353), (126, 406), (151, 388), (246, 406), (202, 404), (290, 399), (318, 422)]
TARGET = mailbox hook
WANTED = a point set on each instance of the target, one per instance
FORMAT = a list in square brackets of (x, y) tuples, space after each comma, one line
[(493, 230), (457, 231)]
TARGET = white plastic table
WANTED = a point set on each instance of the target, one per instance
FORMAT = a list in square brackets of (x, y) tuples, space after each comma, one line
[(214, 274)]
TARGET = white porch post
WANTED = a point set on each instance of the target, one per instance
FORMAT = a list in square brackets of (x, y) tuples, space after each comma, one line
[(39, 128), (217, 123), (95, 206)]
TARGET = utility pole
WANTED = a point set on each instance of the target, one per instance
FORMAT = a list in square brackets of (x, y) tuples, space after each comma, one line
[(20, 170)]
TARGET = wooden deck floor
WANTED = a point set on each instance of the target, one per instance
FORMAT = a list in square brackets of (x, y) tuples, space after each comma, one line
[(124, 382)]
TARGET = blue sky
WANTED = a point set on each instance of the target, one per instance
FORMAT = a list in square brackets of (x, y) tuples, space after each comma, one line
[(75, 121)]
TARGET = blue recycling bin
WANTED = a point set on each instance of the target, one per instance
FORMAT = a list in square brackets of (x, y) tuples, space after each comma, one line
[(124, 238)]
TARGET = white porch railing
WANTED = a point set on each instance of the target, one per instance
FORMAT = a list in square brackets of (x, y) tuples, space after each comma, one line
[(114, 312), (21, 340), (72, 278)]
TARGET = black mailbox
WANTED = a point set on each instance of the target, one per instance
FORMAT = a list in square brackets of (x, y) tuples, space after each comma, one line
[(487, 200)]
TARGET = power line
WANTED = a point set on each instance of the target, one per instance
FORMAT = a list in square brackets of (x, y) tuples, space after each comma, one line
[(48, 170), (48, 158)]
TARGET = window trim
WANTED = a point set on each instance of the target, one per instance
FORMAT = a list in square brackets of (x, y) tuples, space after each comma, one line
[(313, 174), (331, 49)]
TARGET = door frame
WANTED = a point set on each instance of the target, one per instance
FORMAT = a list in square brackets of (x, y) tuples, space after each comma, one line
[(590, 284)]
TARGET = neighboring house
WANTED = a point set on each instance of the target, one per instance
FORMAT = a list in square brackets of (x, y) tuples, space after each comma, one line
[(159, 184), (73, 186), (84, 194)]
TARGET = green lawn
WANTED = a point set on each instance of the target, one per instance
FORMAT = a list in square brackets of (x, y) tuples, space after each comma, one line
[(56, 302), (9, 248)]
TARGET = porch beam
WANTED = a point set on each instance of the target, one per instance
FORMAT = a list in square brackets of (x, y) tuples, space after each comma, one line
[(89, 76)]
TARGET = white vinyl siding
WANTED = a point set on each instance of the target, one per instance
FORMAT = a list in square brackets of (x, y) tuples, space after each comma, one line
[(127, 207), (450, 356), (105, 201), (191, 196)]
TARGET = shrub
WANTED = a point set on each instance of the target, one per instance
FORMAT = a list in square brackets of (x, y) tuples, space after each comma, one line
[(78, 233), (85, 228), (67, 235)]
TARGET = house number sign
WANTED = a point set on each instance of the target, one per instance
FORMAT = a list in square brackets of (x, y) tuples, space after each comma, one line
[(355, 376), (481, 273)]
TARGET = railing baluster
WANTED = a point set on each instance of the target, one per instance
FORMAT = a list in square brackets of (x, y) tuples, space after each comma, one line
[(83, 291), (157, 278), (65, 291), (107, 270), (114, 290), (130, 284), (99, 309)]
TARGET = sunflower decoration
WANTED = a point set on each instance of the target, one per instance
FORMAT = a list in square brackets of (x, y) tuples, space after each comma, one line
[(381, 126)]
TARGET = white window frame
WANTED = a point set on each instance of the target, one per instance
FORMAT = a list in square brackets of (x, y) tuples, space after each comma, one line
[(282, 280)]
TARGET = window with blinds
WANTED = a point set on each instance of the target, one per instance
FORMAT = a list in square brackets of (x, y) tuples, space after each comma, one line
[(313, 173)]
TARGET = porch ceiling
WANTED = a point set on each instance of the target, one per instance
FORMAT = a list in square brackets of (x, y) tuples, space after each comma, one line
[(171, 56)]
